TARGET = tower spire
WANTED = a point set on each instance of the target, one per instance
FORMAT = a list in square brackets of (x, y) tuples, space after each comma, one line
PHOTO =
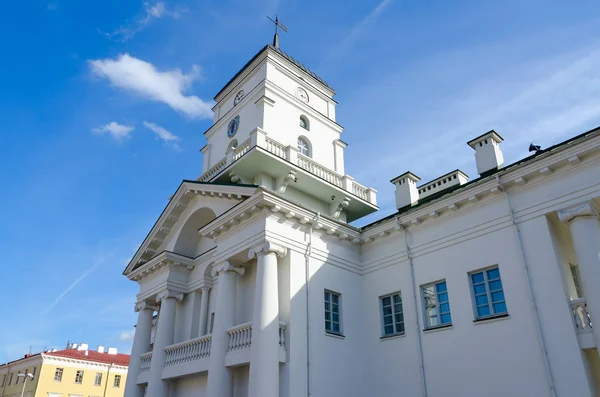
[(277, 26)]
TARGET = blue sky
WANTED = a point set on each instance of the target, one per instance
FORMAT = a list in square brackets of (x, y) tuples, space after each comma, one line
[(103, 105)]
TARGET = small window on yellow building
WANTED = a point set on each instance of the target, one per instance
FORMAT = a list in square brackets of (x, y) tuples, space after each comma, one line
[(117, 381), (79, 377), (98, 380), (58, 375)]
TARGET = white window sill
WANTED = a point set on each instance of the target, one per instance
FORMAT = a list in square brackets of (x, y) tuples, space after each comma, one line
[(438, 328), (334, 335), (491, 319), (393, 336)]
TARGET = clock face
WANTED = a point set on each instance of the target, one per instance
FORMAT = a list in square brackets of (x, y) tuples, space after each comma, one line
[(238, 97), (233, 126), (302, 94)]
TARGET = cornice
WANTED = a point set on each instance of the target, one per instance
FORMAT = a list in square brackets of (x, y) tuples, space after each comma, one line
[(272, 205), (79, 363), (160, 261), (512, 179), (20, 363)]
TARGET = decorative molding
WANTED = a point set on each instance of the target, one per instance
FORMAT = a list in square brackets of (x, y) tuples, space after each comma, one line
[(162, 260), (265, 248), (284, 181), (225, 266), (143, 305), (340, 206), (167, 294), (582, 210)]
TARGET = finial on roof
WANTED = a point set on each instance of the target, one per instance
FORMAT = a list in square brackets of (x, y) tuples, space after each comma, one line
[(277, 26)]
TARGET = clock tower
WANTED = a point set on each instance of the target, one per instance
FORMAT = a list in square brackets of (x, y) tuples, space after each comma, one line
[(274, 125)]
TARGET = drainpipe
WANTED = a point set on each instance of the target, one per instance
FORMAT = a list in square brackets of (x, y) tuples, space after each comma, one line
[(414, 285), (107, 377), (530, 292), (307, 278)]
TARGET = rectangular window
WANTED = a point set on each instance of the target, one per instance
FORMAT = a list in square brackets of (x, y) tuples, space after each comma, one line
[(488, 296), (58, 375), (10, 379), (33, 373), (25, 377), (212, 321), (117, 382), (576, 280), (392, 315), (79, 377), (17, 380), (333, 323), (98, 379), (437, 305), (3, 380)]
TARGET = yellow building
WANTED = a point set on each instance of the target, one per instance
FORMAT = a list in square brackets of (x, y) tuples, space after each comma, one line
[(73, 372)]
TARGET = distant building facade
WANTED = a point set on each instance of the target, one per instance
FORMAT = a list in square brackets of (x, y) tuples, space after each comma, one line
[(73, 372), (484, 287)]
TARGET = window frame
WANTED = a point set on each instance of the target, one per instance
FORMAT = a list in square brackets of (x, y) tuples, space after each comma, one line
[(304, 119), (11, 378), (79, 371), (308, 145), (576, 276), (98, 379), (117, 381), (382, 315), (58, 374), (439, 313), (339, 312), (488, 293)]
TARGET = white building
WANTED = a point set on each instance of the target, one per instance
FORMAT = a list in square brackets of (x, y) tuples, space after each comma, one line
[(486, 287)]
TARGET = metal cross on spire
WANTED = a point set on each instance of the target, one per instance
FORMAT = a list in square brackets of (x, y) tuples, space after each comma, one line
[(277, 26)]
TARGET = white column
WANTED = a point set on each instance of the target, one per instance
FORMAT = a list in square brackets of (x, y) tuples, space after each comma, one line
[(203, 311), (165, 330), (141, 345), (585, 230), (220, 378), (264, 356)]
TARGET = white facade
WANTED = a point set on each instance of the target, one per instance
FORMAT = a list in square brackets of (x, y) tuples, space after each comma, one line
[(262, 288)]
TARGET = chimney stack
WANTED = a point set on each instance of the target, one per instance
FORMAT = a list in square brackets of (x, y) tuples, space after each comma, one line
[(112, 350), (100, 349), (487, 152), (406, 189)]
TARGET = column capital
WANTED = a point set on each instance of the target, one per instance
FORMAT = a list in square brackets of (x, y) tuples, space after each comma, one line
[(225, 266), (166, 294), (587, 209), (266, 247), (143, 305)]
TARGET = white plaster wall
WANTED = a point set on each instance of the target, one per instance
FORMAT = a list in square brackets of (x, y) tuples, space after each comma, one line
[(189, 386), (244, 294), (241, 377), (251, 84)]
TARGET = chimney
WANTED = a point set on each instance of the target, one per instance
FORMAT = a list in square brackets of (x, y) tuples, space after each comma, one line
[(82, 346), (100, 349), (112, 350), (406, 189), (487, 152)]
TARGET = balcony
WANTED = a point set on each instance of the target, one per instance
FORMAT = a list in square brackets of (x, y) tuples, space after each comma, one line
[(583, 323), (191, 357), (259, 152)]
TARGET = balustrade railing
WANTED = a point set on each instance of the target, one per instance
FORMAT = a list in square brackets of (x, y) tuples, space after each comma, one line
[(276, 148), (581, 315), (145, 365), (240, 336), (242, 149), (360, 191), (213, 171), (317, 169), (187, 351)]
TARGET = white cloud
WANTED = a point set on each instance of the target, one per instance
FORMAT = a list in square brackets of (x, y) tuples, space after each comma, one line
[(166, 136), (150, 12), (118, 131), (127, 335), (359, 29), (143, 79)]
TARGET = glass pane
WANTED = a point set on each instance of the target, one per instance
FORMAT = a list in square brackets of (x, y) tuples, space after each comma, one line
[(495, 285), (400, 327), (327, 306), (433, 321), (443, 297), (399, 318), (327, 325), (479, 289), (481, 300), (388, 329), (334, 298), (477, 278), (327, 296), (483, 311), (336, 317), (444, 308), (497, 296), (493, 274), (387, 310), (336, 327), (398, 308), (441, 287), (327, 315), (445, 318), (386, 301), (397, 298), (387, 320), (499, 307)]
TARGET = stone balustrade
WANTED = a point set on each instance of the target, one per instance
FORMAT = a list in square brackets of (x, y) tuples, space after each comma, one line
[(581, 315), (240, 336), (145, 358), (187, 351), (290, 153)]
